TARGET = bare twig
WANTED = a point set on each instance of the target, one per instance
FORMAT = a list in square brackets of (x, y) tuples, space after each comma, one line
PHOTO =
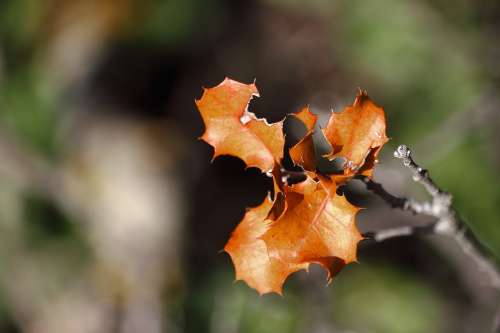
[(447, 224), (394, 201), (441, 201), (385, 234)]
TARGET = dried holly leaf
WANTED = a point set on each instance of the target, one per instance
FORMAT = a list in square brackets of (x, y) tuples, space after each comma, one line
[(318, 226), (307, 222), (232, 130), (357, 134), (303, 153), (250, 255)]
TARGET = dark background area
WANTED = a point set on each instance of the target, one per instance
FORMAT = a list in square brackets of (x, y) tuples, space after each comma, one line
[(112, 217)]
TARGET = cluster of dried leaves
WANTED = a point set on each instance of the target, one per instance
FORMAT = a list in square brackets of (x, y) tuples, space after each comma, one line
[(303, 223)]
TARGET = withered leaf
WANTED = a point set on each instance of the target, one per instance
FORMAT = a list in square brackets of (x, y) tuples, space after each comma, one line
[(249, 253), (318, 226), (304, 223), (232, 130), (357, 134)]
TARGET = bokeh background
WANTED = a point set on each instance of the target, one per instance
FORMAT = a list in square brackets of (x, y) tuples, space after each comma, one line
[(112, 217)]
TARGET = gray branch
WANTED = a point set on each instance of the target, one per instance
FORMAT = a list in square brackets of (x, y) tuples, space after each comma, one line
[(447, 223), (396, 202)]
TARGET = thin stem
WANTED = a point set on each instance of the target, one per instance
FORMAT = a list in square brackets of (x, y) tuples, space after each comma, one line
[(394, 201), (419, 174), (385, 234)]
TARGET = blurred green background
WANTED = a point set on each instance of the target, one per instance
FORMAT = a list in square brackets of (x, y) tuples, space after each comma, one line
[(112, 217)]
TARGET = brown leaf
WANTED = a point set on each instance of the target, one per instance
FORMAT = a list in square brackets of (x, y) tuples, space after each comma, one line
[(232, 130), (357, 134), (318, 226), (303, 153), (307, 222), (250, 256)]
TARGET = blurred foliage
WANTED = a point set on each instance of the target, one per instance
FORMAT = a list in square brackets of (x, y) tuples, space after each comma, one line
[(28, 106), (375, 298), (239, 309), (177, 22), (422, 68), (476, 193), (19, 29)]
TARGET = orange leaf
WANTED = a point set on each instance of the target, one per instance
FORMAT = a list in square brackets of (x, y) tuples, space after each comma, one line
[(357, 134), (303, 153), (250, 256), (307, 222), (318, 226), (232, 130)]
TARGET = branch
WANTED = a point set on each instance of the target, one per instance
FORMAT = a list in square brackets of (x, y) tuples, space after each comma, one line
[(382, 235), (448, 223), (396, 202), (441, 201)]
